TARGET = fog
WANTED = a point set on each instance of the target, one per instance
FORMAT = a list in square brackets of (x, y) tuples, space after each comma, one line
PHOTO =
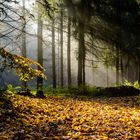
[(97, 73)]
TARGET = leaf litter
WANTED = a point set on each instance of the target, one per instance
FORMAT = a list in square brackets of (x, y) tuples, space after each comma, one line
[(68, 118)]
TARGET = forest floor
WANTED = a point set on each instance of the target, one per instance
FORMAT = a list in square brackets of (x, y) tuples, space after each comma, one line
[(26, 118)]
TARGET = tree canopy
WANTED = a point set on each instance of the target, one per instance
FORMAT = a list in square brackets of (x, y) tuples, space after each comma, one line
[(14, 25)]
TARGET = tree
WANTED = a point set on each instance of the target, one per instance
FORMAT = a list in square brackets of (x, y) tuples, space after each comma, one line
[(81, 57), (24, 39), (23, 66), (40, 52), (11, 19), (58, 58), (80, 14), (120, 14), (69, 50), (124, 18), (8, 20), (101, 19), (53, 55), (61, 43)]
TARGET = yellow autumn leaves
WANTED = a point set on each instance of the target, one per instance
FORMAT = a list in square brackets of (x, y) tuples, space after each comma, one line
[(67, 118), (25, 68)]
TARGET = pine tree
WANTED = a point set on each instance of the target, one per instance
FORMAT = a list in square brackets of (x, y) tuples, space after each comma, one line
[(24, 39), (61, 45), (69, 51), (53, 55), (40, 52)]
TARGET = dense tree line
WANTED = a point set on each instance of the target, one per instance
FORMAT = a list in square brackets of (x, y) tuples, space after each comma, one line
[(113, 23)]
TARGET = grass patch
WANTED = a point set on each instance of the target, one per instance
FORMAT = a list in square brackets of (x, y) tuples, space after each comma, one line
[(94, 91)]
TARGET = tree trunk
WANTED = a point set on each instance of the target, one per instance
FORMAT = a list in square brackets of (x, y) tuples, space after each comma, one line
[(58, 60), (40, 53), (53, 55), (139, 71), (61, 45), (81, 55), (107, 77), (69, 52), (122, 72), (118, 44), (24, 84), (83, 65), (127, 67), (117, 65)]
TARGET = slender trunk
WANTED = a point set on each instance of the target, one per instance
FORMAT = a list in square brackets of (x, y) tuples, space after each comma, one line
[(24, 84), (69, 52), (107, 75), (53, 55), (61, 45), (58, 60), (81, 59), (117, 65), (118, 44), (128, 68), (139, 71), (122, 73), (40, 52)]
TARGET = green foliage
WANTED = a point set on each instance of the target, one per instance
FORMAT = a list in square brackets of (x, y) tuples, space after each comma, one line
[(92, 91), (46, 9), (57, 92), (135, 84), (127, 83), (73, 91), (10, 90)]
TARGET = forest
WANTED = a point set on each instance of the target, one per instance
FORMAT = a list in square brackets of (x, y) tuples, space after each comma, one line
[(69, 69)]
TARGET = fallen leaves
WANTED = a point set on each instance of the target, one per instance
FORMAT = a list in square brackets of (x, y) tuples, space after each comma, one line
[(68, 118)]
